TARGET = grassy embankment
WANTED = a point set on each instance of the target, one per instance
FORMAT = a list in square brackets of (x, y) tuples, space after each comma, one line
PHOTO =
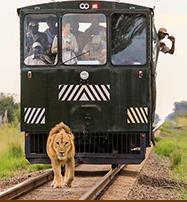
[(173, 144), (12, 158)]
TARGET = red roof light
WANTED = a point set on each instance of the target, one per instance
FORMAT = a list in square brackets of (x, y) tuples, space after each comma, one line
[(95, 6)]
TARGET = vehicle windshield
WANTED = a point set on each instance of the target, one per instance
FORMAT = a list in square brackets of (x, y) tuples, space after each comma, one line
[(83, 39), (39, 33), (128, 39)]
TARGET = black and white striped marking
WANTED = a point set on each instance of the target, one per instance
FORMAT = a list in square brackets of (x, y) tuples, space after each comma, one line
[(84, 92), (34, 115), (137, 115)]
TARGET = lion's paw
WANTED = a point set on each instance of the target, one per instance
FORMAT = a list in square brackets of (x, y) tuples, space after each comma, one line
[(52, 184), (58, 185), (65, 185)]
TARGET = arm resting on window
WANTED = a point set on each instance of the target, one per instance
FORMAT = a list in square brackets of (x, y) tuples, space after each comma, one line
[(54, 46)]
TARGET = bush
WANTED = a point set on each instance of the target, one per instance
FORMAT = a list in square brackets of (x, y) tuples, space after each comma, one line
[(7, 103)]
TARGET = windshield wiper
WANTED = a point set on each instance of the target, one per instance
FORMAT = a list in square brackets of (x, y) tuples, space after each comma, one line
[(76, 56)]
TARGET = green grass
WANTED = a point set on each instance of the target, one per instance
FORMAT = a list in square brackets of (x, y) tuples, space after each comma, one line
[(36, 167), (12, 157), (184, 195), (10, 134), (165, 147), (173, 144)]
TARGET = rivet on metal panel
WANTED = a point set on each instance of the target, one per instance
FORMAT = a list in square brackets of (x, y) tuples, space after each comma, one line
[(29, 74), (140, 74), (142, 135)]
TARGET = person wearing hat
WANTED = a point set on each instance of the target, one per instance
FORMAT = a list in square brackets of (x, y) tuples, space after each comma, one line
[(34, 35), (52, 30), (37, 57), (162, 33), (95, 28), (95, 50)]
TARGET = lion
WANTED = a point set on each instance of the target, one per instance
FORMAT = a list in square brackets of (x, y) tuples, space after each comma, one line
[(61, 151)]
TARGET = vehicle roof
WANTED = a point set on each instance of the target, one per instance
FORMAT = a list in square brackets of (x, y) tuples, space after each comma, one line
[(70, 4)]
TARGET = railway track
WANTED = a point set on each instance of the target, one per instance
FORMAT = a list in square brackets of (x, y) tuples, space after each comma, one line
[(88, 185), (91, 182), (103, 177), (26, 186), (100, 186)]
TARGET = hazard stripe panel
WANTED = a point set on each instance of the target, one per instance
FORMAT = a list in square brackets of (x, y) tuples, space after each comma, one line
[(34, 115), (137, 115), (84, 93)]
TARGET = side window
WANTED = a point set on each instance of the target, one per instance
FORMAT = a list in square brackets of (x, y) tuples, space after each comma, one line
[(155, 45), (84, 39), (128, 39), (40, 32)]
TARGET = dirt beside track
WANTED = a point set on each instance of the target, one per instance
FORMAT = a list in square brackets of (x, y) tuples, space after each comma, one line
[(154, 181), (12, 181)]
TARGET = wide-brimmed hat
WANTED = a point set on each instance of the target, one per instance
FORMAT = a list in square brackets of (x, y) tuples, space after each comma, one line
[(37, 44), (33, 23), (163, 30)]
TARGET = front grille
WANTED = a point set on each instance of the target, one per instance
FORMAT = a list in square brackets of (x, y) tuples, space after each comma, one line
[(93, 143), (107, 143), (38, 143)]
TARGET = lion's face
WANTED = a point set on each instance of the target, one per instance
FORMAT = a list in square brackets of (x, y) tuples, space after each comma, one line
[(62, 144)]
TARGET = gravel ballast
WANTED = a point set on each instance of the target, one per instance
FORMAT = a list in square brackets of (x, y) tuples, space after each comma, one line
[(154, 181)]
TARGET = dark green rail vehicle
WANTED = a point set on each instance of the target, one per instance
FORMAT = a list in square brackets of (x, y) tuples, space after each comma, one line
[(90, 64)]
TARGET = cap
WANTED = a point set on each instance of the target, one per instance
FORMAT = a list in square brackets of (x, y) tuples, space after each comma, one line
[(36, 44), (51, 19), (163, 30), (96, 39), (33, 23)]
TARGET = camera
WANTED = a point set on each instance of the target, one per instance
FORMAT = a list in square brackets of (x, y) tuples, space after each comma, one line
[(68, 41), (171, 38)]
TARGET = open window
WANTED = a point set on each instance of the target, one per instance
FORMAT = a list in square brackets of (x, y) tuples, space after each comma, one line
[(155, 44), (39, 33), (129, 40), (84, 39)]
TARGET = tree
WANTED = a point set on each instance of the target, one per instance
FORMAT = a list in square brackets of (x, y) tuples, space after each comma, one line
[(7, 104), (180, 108), (157, 118)]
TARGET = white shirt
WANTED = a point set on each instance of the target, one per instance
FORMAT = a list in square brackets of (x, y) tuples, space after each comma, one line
[(66, 54), (30, 60)]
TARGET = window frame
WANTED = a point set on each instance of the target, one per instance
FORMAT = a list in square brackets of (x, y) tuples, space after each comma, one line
[(131, 12), (23, 40), (60, 39), (155, 44)]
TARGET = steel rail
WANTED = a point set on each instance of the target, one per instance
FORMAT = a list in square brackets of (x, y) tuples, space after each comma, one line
[(159, 124), (99, 187), (26, 186)]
